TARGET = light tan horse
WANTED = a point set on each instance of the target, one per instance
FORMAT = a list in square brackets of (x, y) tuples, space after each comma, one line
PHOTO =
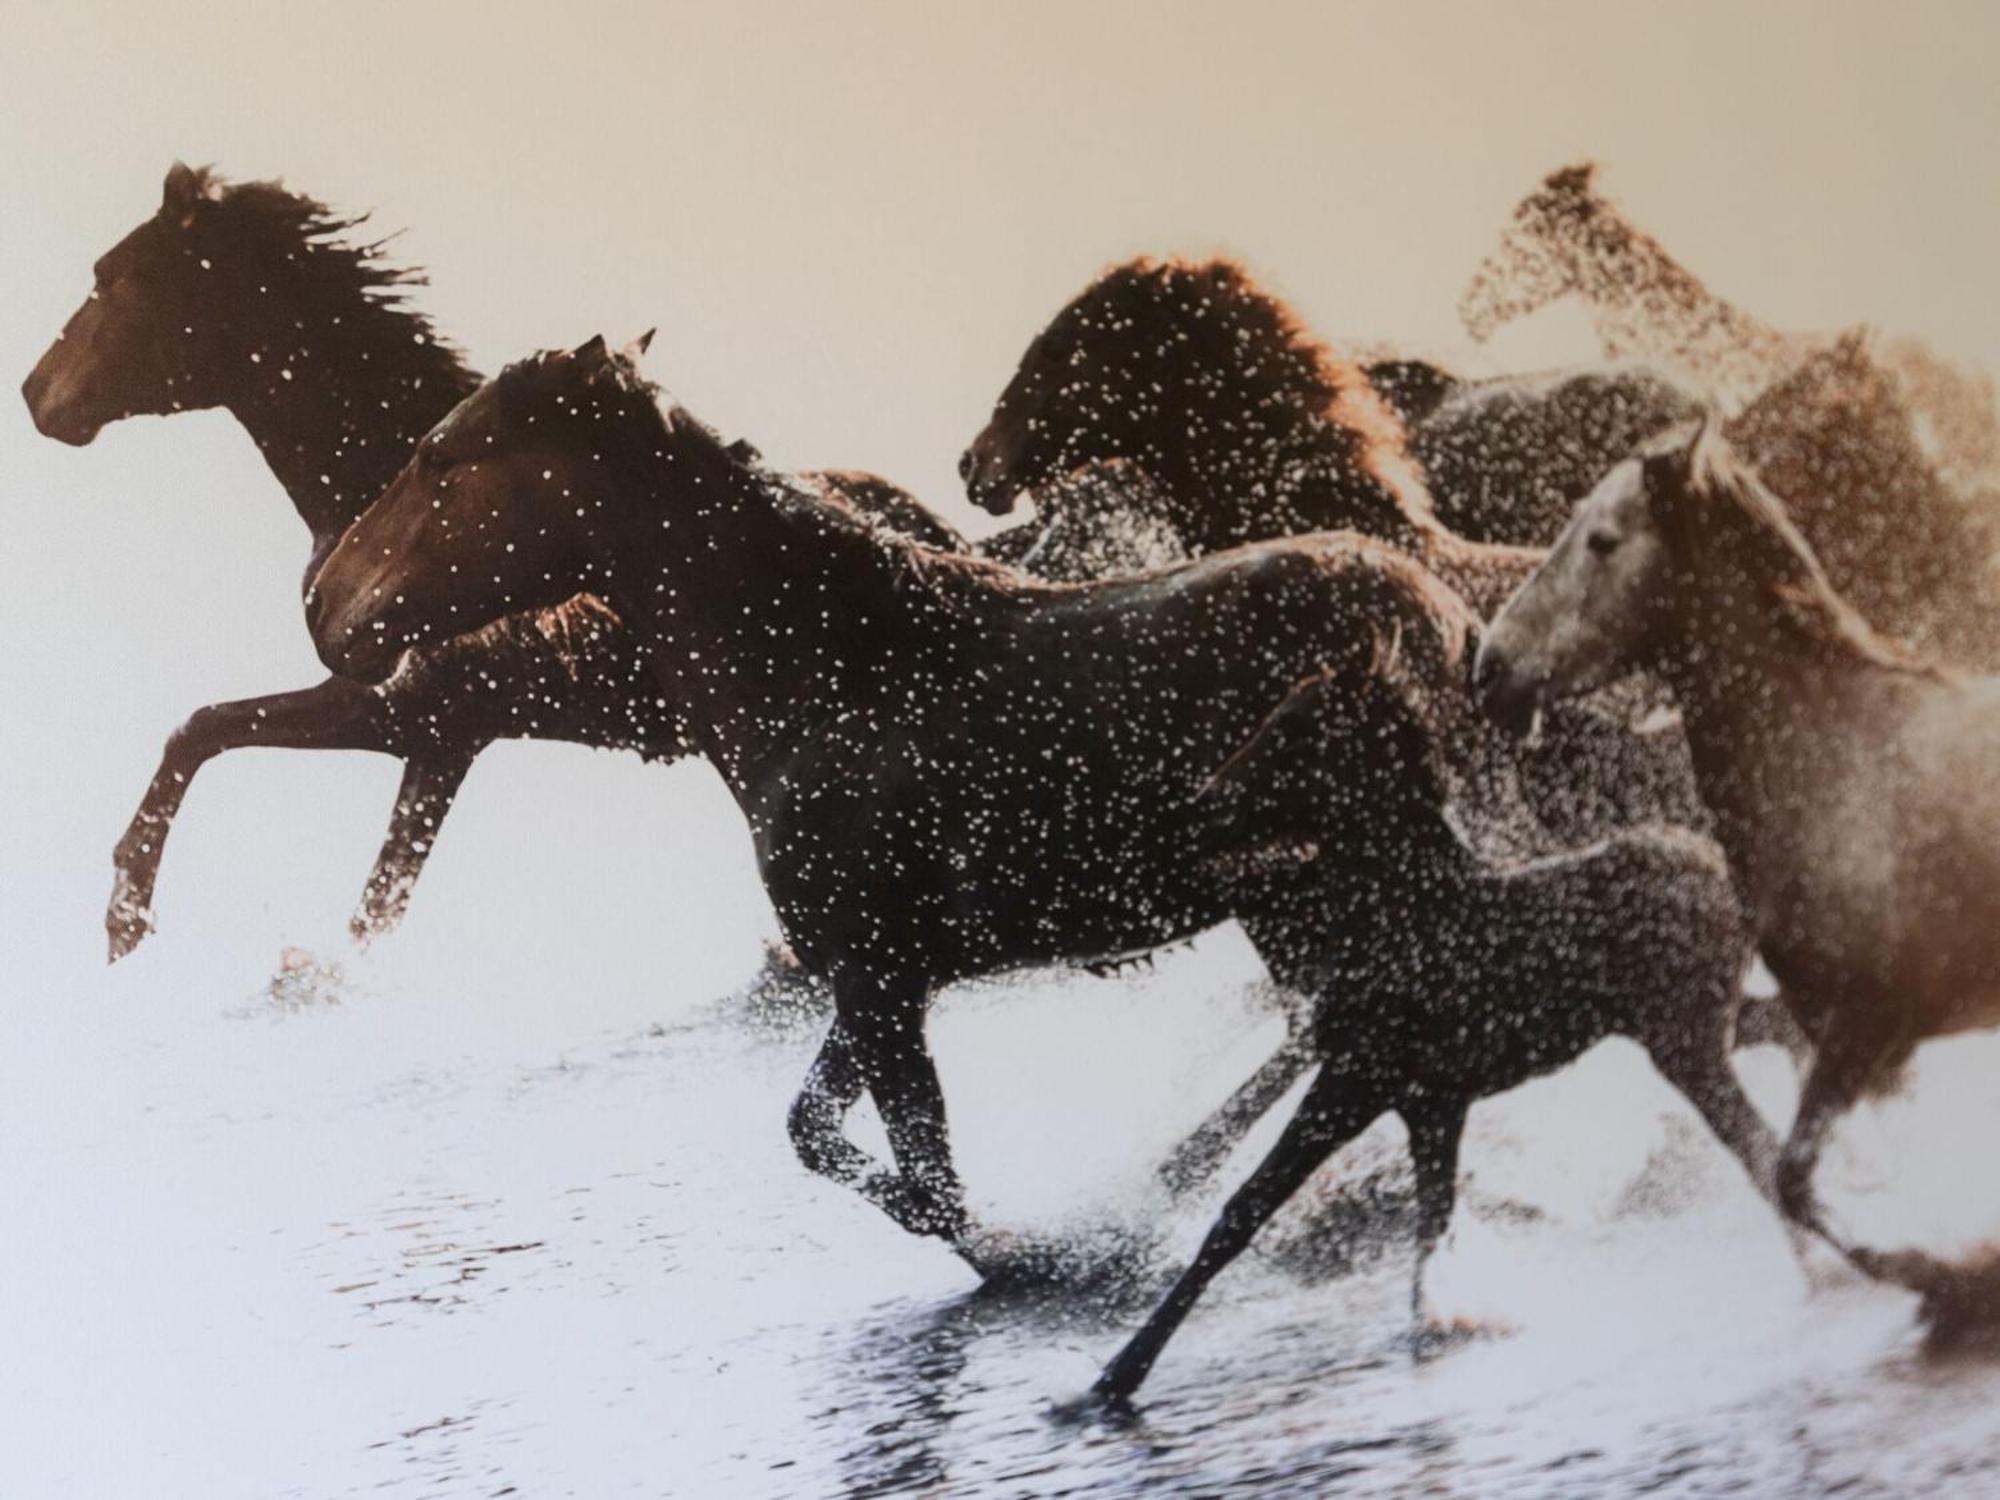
[(1855, 787)]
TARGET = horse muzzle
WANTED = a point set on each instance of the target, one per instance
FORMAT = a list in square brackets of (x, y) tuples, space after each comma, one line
[(986, 484), (1506, 696), (350, 644), (55, 414)]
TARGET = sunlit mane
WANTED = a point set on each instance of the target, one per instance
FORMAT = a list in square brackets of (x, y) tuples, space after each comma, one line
[(1278, 368)]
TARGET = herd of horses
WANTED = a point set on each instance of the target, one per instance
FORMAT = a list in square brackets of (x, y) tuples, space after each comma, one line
[(1254, 657)]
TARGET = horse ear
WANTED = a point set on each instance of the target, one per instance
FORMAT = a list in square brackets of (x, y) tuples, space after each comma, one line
[(630, 354), (1577, 177), (183, 189), (1706, 442), (590, 353)]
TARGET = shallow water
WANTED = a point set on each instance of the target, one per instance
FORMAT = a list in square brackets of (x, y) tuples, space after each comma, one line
[(402, 1230)]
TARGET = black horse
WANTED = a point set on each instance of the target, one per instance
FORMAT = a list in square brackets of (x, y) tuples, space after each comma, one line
[(1443, 980), (251, 298)]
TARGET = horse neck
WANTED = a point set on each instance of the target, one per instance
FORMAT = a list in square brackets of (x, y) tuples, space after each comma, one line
[(1304, 473), (774, 616), (335, 398), (1644, 304), (1404, 855)]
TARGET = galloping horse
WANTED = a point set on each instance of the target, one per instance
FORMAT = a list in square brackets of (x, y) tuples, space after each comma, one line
[(1443, 980), (1853, 785), (1212, 388), (1567, 239), (948, 769), (247, 297)]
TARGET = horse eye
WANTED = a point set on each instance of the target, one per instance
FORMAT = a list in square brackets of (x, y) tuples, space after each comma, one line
[(1603, 543)]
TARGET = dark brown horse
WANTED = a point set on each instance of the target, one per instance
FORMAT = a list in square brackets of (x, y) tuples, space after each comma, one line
[(1853, 785), (1252, 427), (251, 298), (948, 769), (1443, 980)]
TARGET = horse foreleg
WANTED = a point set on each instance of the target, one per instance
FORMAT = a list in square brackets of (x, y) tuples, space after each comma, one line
[(430, 783), (336, 715), (1436, 1127), (1324, 1122), (1196, 1159)]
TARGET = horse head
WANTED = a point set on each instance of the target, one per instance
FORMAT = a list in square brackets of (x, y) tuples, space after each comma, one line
[(145, 339), (1595, 607), (496, 512), (1534, 263)]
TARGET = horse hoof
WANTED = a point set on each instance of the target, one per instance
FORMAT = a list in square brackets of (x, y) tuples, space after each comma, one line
[(1962, 1315), (1432, 1338), (1111, 1393), (125, 930)]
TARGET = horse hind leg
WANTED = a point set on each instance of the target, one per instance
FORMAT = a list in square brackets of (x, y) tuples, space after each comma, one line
[(1436, 1128), (1859, 1043), (430, 784), (1192, 1163), (335, 715), (1325, 1122)]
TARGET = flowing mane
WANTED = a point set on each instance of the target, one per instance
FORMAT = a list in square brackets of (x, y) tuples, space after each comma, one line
[(1278, 368), (641, 419), (300, 241), (1722, 509)]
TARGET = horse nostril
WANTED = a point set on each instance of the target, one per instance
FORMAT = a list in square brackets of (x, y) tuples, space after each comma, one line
[(965, 466)]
